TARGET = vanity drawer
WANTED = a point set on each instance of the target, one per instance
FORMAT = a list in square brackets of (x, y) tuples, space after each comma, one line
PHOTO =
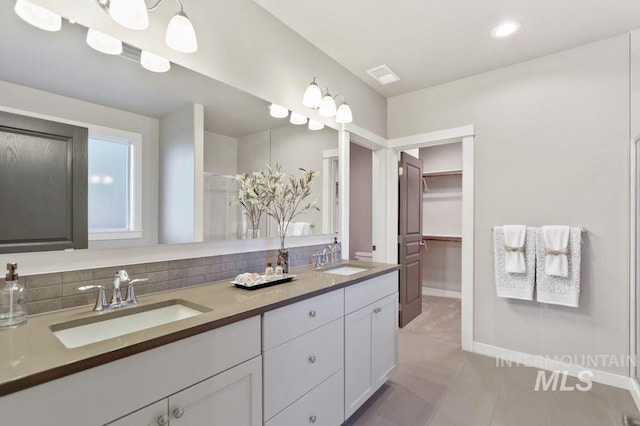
[(362, 294), (289, 322), (294, 368), (323, 406)]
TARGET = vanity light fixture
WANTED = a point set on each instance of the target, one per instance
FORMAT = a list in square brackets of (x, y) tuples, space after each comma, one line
[(278, 111), (131, 14), (343, 115), (505, 29), (297, 118), (38, 16), (152, 62), (315, 125), (328, 105), (103, 42), (313, 95), (134, 14)]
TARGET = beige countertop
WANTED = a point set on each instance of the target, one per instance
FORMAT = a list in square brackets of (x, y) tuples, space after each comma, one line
[(31, 354)]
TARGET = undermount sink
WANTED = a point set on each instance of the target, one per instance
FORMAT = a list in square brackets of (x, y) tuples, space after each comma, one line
[(347, 269), (85, 331)]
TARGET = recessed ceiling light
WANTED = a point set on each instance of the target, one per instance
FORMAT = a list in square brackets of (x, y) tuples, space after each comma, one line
[(505, 29)]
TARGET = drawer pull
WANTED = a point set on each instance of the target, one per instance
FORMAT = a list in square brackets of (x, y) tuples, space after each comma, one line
[(312, 359), (178, 412), (312, 419), (163, 420), (312, 314)]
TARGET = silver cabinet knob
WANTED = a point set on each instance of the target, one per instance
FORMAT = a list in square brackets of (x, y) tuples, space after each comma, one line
[(312, 359), (312, 314), (163, 420), (178, 412), (312, 419)]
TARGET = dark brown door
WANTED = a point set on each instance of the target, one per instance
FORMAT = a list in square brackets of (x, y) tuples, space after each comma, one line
[(410, 238)]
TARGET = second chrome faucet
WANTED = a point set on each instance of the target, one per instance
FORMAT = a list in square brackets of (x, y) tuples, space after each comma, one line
[(121, 277)]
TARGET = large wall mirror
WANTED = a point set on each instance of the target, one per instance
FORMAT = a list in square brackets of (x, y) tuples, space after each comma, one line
[(58, 76)]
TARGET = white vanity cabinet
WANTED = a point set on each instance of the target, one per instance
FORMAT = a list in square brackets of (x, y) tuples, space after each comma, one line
[(303, 349), (229, 398), (371, 338), (210, 367)]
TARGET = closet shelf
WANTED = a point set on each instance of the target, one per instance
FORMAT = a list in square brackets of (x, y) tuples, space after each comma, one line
[(443, 173), (451, 238)]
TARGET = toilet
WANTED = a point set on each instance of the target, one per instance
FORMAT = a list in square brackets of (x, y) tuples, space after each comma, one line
[(366, 256)]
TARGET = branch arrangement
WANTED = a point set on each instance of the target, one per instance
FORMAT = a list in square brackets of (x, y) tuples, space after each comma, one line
[(280, 196)]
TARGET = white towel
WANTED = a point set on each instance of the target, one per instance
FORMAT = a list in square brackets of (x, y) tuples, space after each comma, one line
[(514, 238), (514, 286), (555, 289), (556, 240)]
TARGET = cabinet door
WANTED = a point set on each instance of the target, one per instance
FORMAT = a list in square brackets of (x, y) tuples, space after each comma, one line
[(233, 397), (358, 358), (385, 339), (152, 415)]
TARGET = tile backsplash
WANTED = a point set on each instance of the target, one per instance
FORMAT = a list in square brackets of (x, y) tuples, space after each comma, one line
[(50, 292)]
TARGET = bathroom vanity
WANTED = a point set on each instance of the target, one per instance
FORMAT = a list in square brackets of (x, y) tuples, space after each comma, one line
[(306, 352)]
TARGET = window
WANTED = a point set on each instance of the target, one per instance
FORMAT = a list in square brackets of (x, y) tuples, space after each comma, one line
[(114, 182), (109, 184)]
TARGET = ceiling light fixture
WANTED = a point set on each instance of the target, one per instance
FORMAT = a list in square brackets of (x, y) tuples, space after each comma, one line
[(278, 111), (103, 42), (38, 16), (152, 62), (297, 118), (315, 125), (313, 95), (134, 14), (505, 29)]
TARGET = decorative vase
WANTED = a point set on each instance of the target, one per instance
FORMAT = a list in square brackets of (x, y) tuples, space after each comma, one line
[(283, 259)]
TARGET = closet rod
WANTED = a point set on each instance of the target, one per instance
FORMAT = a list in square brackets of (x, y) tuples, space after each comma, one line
[(581, 229)]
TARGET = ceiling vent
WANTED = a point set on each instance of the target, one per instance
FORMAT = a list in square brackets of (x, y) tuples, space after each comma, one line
[(130, 52), (383, 75)]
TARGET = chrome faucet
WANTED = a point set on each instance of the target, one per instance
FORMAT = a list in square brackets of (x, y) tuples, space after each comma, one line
[(121, 277)]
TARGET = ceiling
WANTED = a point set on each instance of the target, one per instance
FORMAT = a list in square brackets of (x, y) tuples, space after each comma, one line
[(64, 64), (430, 42)]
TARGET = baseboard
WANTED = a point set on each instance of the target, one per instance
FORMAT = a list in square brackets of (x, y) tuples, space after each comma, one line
[(599, 376), (429, 291)]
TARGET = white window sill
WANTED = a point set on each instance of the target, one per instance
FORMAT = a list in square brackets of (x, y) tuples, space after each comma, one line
[(114, 235)]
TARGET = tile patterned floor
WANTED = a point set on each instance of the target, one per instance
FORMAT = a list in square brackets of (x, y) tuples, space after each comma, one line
[(437, 384)]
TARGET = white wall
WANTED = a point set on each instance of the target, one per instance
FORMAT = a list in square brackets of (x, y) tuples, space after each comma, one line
[(32, 101), (244, 46), (551, 147), (442, 215), (360, 200), (181, 137), (220, 154)]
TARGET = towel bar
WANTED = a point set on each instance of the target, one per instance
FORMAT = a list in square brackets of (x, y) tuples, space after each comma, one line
[(581, 229)]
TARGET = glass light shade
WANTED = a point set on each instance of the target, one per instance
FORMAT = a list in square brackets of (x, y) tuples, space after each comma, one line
[(344, 114), (315, 125), (152, 62), (278, 111), (180, 34), (104, 42), (129, 13), (297, 118), (327, 106), (38, 16), (312, 96)]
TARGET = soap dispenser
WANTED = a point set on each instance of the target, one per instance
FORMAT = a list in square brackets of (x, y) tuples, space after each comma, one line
[(13, 300)]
